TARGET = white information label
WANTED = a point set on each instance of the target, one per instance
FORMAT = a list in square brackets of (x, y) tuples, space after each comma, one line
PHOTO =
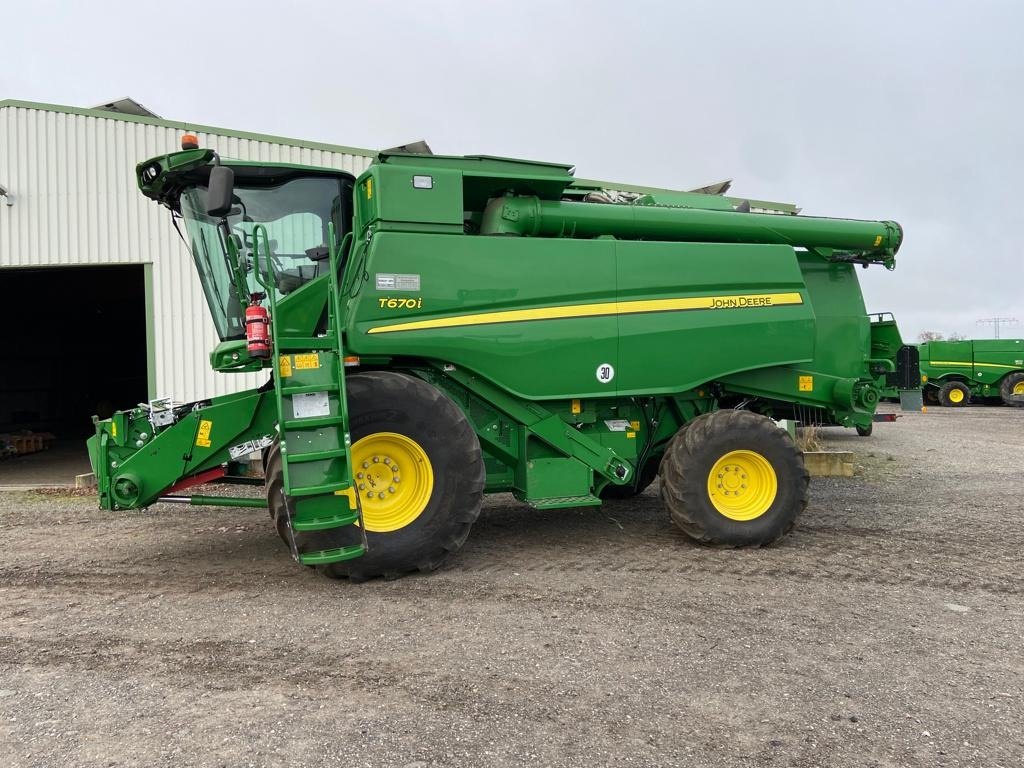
[(250, 447), (605, 373), (310, 405), (388, 281)]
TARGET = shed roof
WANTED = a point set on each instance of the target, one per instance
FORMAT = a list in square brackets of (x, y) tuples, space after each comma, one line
[(128, 106), (183, 126)]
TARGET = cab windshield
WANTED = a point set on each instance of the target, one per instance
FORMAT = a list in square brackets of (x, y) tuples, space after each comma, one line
[(296, 215)]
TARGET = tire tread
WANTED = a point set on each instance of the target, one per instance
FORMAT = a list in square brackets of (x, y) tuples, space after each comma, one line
[(683, 496), (466, 498)]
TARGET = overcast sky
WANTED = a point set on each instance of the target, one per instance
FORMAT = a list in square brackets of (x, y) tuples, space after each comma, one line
[(908, 111)]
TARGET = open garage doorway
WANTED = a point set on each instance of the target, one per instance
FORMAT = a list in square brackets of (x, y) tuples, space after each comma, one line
[(74, 345)]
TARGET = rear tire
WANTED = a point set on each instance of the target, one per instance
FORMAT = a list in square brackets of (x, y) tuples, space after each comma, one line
[(733, 478), (1012, 389), (403, 410), (954, 394), (865, 431)]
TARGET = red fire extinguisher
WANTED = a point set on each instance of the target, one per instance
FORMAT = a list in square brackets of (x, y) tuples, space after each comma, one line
[(257, 327)]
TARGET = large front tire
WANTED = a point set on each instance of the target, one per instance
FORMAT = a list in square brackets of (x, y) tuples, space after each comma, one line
[(733, 478), (424, 469)]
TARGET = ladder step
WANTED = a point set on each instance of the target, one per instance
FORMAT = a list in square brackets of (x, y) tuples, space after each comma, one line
[(305, 389), (325, 556), (564, 502), (318, 490), (302, 344), (315, 421), (323, 523), (300, 458)]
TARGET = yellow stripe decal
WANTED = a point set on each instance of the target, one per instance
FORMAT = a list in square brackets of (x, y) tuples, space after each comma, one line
[(967, 364), (737, 301)]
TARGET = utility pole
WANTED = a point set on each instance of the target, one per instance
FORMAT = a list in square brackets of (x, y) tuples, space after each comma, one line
[(995, 322)]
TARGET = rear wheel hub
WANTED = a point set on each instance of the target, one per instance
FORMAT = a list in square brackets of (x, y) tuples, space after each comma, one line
[(742, 485)]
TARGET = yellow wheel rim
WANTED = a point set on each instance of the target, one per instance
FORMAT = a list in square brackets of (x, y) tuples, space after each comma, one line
[(742, 485), (394, 480), (1018, 388), (956, 395)]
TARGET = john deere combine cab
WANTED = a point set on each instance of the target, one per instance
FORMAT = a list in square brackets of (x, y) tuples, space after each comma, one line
[(445, 327)]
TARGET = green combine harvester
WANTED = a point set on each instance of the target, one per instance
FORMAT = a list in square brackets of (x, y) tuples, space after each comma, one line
[(957, 372), (445, 327)]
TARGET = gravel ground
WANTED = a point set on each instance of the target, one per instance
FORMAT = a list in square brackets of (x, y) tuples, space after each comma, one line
[(884, 631)]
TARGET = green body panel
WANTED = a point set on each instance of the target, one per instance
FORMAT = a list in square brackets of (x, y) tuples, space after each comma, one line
[(837, 375), (667, 352), (532, 359), (297, 315), (403, 203), (576, 336), (981, 364), (886, 342), (135, 464)]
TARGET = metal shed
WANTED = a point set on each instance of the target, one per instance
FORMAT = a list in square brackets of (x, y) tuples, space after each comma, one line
[(72, 222)]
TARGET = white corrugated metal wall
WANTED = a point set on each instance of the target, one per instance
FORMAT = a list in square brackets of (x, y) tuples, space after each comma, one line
[(72, 178)]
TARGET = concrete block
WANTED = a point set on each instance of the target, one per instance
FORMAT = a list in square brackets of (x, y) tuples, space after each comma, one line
[(829, 463), (88, 480)]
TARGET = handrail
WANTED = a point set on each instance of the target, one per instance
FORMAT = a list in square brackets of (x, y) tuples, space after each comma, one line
[(269, 284)]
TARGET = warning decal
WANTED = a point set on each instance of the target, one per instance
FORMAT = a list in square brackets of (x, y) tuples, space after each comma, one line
[(203, 436)]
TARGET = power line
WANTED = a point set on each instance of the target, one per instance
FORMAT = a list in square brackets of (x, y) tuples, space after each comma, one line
[(995, 322)]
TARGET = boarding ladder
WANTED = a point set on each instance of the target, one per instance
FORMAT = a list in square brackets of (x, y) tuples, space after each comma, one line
[(309, 386)]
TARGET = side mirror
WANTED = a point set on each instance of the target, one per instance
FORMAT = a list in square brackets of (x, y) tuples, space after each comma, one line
[(220, 191)]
